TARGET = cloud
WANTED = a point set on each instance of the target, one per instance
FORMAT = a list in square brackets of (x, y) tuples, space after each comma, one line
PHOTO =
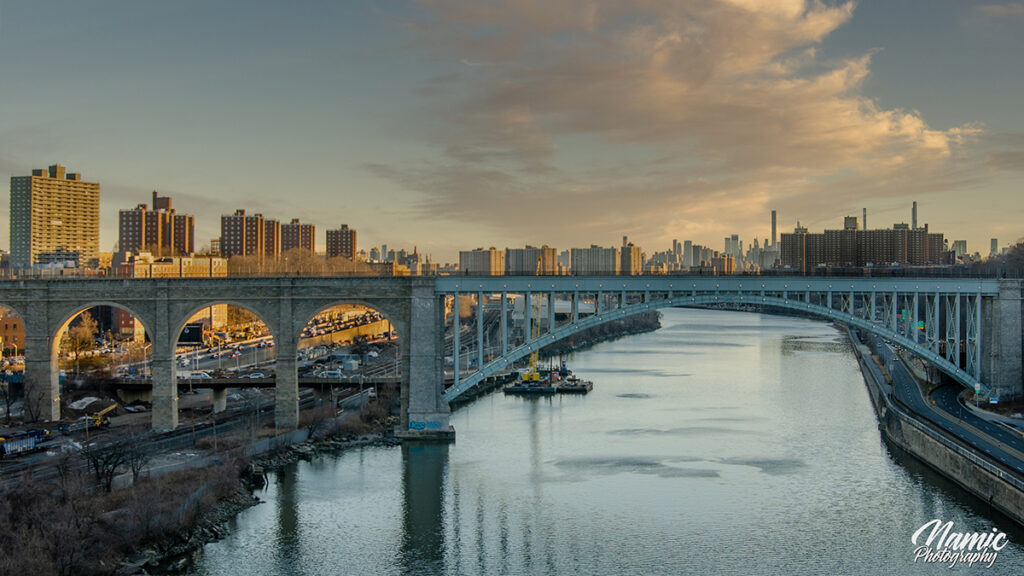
[(1002, 10), (586, 119)]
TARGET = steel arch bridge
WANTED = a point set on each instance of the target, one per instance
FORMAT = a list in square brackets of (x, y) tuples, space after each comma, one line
[(937, 320)]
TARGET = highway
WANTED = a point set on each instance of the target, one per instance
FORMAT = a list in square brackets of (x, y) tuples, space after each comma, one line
[(980, 434)]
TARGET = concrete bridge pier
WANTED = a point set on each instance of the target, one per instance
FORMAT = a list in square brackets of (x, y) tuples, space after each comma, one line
[(219, 396), (42, 378), (286, 371), (425, 415), (1002, 342), (165, 390), (286, 396)]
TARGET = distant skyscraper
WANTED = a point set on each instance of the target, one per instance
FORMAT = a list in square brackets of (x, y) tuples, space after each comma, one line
[(913, 217), (630, 260), (53, 213), (342, 242), (773, 229), (595, 261), (864, 220), (271, 238), (242, 235), (995, 248), (298, 235), (524, 261), (687, 253), (480, 262), (159, 230)]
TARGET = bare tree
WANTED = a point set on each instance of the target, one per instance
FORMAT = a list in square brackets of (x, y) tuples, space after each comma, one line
[(37, 401), (106, 460), (138, 453)]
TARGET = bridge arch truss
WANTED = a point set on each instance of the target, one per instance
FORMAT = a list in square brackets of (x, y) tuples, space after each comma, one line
[(937, 320)]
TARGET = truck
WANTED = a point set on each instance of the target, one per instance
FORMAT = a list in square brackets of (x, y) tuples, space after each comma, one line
[(97, 420)]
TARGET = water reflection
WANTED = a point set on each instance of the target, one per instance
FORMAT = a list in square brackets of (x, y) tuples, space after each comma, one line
[(287, 543), (423, 471)]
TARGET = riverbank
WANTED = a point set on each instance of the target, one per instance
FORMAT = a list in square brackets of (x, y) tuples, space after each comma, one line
[(954, 460), (328, 436)]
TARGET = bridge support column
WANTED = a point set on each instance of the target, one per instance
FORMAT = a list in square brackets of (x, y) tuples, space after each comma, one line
[(427, 417), (286, 372), (1001, 363), (42, 380), (219, 396), (165, 388)]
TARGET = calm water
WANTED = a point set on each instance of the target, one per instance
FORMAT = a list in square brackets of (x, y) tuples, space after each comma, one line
[(724, 443)]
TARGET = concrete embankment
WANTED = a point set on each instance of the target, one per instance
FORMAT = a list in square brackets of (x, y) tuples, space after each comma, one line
[(972, 471)]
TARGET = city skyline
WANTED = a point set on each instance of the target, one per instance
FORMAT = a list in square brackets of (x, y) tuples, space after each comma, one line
[(646, 121)]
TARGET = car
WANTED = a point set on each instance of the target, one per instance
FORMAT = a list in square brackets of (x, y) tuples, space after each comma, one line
[(253, 375), (201, 376)]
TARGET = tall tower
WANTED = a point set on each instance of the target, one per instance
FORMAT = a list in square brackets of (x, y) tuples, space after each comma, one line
[(342, 242), (773, 229), (913, 217), (55, 215), (864, 220)]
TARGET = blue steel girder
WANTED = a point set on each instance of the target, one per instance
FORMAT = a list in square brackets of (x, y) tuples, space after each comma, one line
[(690, 291)]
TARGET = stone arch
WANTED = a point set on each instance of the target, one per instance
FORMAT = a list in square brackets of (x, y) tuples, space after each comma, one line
[(182, 318), (304, 316), (817, 310), (42, 375)]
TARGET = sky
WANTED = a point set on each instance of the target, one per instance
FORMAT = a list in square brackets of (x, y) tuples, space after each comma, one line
[(457, 124)]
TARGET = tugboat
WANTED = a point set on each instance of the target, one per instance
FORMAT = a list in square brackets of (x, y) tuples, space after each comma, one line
[(573, 385)]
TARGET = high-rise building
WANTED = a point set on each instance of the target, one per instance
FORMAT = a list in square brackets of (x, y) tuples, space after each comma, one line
[(342, 242), (687, 253), (913, 217), (959, 248), (53, 212), (298, 235), (481, 262), (993, 251), (271, 238), (242, 235), (630, 263), (773, 228), (184, 233), (595, 261), (159, 230), (524, 261), (851, 247)]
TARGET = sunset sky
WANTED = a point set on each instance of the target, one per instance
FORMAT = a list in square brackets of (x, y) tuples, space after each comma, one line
[(455, 124)]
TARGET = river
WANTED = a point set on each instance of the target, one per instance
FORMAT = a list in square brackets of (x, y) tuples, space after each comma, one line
[(723, 443)]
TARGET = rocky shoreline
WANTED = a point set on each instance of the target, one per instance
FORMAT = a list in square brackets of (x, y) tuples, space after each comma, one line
[(173, 555)]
